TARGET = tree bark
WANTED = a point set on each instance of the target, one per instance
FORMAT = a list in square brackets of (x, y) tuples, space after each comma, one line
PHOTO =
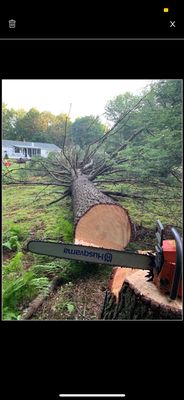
[(99, 221), (136, 298)]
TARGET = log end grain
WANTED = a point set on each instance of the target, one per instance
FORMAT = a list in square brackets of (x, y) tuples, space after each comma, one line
[(104, 225)]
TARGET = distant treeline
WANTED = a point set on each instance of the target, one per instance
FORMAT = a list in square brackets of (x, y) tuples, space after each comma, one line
[(49, 128)]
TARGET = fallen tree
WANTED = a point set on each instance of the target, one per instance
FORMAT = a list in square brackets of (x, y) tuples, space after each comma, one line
[(83, 175), (99, 219)]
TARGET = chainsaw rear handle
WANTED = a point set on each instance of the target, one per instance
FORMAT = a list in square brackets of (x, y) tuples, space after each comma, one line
[(159, 233), (177, 274)]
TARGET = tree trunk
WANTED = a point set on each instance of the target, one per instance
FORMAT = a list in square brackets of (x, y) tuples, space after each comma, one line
[(99, 220), (136, 298)]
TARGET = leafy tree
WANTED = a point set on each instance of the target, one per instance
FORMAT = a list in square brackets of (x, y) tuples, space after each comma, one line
[(119, 105), (159, 112), (86, 129), (29, 126), (46, 119), (34, 126), (9, 120), (56, 129)]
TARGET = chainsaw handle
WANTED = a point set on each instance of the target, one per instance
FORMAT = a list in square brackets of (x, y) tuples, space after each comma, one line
[(159, 232), (177, 274)]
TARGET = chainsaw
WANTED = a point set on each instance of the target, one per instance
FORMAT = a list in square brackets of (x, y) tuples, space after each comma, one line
[(163, 266)]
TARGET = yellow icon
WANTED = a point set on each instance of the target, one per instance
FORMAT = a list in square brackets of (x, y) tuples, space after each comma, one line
[(166, 9)]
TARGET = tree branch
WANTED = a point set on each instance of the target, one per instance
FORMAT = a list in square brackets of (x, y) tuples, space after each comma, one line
[(52, 175), (105, 166), (37, 196), (104, 138), (174, 173), (108, 172), (114, 181), (65, 132), (120, 194), (122, 147), (33, 183), (60, 198)]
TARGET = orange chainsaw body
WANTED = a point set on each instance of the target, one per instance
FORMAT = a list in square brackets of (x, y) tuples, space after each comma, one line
[(165, 278)]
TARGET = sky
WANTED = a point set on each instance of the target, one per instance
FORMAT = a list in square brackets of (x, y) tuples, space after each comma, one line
[(87, 97)]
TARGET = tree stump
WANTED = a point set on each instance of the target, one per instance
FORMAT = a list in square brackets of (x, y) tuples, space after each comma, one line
[(133, 297)]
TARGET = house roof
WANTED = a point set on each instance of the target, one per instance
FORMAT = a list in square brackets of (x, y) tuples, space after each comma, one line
[(45, 146)]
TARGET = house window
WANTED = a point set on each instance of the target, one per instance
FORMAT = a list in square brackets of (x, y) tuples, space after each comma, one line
[(36, 152), (17, 150)]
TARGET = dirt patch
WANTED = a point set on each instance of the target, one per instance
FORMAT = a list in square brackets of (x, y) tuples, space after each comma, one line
[(7, 256), (82, 300)]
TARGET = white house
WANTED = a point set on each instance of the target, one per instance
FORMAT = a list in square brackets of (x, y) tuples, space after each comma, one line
[(18, 149)]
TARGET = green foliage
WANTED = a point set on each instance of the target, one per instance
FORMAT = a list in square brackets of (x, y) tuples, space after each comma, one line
[(34, 126), (70, 307), (10, 315), (86, 129), (31, 169), (12, 243), (28, 127), (76, 270), (24, 288), (67, 270), (19, 286), (15, 230), (65, 305), (157, 150), (56, 130), (12, 237), (120, 105), (50, 269), (9, 121), (65, 228), (14, 266)]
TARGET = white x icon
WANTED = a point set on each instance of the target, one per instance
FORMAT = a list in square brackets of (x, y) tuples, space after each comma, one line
[(172, 24)]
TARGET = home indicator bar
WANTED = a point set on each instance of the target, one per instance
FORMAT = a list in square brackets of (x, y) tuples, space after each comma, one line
[(91, 395)]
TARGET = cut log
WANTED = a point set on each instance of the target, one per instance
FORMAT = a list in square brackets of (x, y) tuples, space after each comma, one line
[(133, 297), (99, 220)]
